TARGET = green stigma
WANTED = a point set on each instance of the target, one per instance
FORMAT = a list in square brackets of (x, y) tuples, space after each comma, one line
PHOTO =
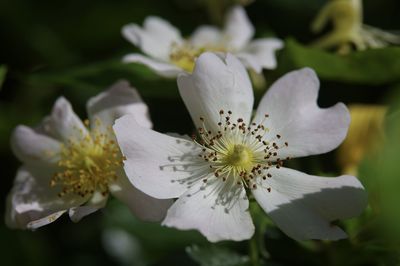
[(240, 156)]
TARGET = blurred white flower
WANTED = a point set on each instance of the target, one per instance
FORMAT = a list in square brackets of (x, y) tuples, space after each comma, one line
[(73, 166), (235, 156), (168, 53), (122, 246)]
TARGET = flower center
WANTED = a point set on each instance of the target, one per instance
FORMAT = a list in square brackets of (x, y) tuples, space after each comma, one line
[(88, 163), (240, 152), (239, 156), (185, 55)]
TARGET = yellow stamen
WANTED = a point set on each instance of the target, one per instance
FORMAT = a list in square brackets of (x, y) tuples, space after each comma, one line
[(88, 164), (185, 55), (240, 153)]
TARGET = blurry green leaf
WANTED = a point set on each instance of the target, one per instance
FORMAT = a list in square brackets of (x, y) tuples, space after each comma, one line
[(216, 256), (380, 175), (100, 75), (372, 67), (152, 236), (3, 72)]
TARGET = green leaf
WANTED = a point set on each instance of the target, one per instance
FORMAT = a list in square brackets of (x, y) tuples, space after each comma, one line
[(100, 75), (3, 72), (216, 256), (372, 67)]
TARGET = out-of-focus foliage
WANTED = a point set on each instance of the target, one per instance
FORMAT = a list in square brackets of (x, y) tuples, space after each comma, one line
[(73, 48), (377, 231), (155, 243), (3, 72), (216, 256), (372, 67)]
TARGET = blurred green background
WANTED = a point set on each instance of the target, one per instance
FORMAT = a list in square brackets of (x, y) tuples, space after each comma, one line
[(73, 48)]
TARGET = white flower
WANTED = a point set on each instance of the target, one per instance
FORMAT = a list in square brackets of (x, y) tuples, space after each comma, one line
[(70, 166), (168, 53), (233, 156)]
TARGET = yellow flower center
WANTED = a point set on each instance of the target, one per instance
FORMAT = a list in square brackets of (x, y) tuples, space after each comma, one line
[(239, 156), (88, 163), (240, 152), (185, 55)]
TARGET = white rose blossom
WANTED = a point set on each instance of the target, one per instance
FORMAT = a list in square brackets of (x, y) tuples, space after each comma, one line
[(72, 166), (168, 53), (235, 157)]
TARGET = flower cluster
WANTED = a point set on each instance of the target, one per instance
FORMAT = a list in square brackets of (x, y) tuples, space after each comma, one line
[(205, 182)]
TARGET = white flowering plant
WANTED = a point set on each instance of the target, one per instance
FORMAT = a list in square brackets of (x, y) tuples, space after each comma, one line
[(232, 134)]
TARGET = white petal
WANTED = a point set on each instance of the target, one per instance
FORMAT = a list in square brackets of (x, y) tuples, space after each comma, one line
[(303, 205), (44, 221), (159, 165), (33, 203), (65, 123), (155, 38), (205, 36), (260, 53), (45, 128), (238, 28), (141, 205), (216, 84), (291, 104), (120, 99), (167, 70), (34, 148), (96, 202), (218, 212)]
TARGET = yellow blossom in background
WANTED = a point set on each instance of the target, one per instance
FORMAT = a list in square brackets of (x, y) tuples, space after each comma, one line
[(364, 137), (348, 28)]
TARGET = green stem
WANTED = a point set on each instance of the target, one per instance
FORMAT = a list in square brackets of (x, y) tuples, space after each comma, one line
[(254, 251), (261, 243)]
